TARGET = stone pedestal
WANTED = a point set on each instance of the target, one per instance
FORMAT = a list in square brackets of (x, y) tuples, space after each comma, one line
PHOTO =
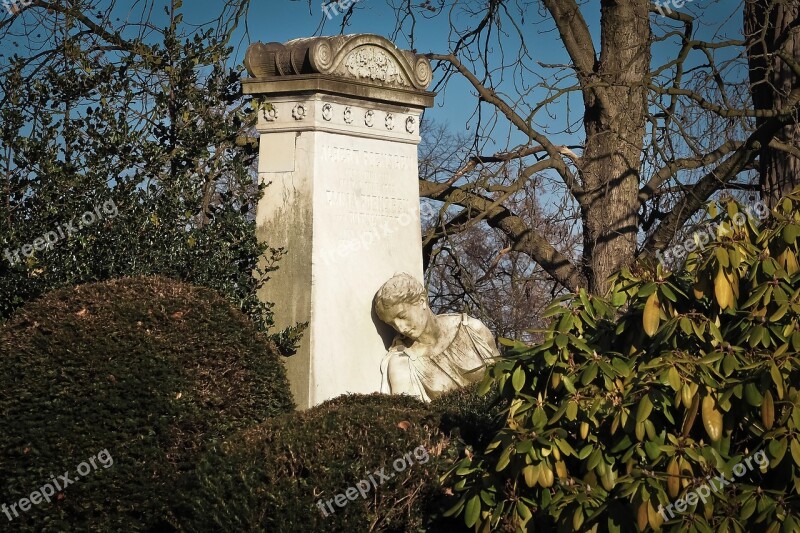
[(338, 119)]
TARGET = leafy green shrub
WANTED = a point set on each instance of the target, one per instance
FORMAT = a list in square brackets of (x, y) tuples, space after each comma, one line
[(279, 475), (636, 401), (471, 417), (146, 368)]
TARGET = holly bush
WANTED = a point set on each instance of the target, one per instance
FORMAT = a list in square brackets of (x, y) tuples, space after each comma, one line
[(642, 399)]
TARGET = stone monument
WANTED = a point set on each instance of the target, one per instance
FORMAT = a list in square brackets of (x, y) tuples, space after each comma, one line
[(338, 119)]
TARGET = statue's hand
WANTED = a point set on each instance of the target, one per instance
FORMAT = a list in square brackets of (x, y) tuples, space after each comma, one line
[(397, 344)]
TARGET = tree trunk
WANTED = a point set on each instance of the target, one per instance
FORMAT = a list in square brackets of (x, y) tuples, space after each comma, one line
[(615, 129), (771, 80)]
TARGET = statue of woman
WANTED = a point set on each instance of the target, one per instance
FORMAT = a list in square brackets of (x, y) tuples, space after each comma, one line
[(432, 353)]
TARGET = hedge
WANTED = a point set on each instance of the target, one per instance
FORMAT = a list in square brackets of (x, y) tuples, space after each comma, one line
[(148, 369)]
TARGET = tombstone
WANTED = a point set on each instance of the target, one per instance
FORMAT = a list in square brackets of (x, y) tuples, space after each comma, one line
[(338, 119)]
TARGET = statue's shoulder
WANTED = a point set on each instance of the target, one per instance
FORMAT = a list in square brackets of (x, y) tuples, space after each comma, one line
[(466, 320), (453, 319), (481, 330)]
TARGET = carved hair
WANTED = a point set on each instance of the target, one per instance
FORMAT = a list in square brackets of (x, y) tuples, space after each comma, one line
[(401, 288)]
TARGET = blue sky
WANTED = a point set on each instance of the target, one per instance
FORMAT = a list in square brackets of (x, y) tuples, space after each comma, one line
[(282, 20)]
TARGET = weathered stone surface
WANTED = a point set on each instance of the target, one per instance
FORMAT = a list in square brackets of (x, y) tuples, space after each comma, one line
[(339, 126), (432, 354), (364, 66)]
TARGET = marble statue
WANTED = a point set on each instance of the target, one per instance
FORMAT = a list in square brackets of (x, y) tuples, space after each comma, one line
[(433, 353)]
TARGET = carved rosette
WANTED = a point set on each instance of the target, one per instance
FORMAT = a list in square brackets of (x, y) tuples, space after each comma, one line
[(270, 113), (299, 112), (327, 112)]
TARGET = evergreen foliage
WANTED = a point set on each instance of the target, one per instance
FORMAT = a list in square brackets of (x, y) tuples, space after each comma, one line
[(632, 401), (272, 476), (152, 126), (149, 369)]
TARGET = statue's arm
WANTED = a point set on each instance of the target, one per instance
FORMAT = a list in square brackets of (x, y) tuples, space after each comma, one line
[(399, 372)]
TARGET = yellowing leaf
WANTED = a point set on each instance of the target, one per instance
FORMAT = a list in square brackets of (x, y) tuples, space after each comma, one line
[(531, 475), (723, 290), (712, 418), (650, 317), (768, 412)]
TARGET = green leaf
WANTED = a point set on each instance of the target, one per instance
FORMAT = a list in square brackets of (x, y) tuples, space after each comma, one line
[(472, 511), (484, 387), (621, 367), (795, 448), (752, 395), (589, 373), (777, 378), (790, 233), (667, 291), (585, 451), (618, 299), (505, 458), (644, 409), (456, 508), (779, 314), (518, 378), (722, 256), (572, 410), (651, 314), (647, 289), (777, 449), (561, 340)]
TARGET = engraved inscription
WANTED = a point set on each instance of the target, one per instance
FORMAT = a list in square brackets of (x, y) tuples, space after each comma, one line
[(359, 158), (365, 192)]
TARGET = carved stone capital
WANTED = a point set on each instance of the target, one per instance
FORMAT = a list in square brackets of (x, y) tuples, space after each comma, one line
[(364, 65), (362, 57)]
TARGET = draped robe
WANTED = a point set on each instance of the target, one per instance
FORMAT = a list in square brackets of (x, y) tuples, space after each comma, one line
[(462, 362)]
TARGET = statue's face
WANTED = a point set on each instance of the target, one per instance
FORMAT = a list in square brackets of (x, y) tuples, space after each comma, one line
[(409, 319)]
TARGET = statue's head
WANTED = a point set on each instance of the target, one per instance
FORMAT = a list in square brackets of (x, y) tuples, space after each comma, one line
[(402, 302)]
